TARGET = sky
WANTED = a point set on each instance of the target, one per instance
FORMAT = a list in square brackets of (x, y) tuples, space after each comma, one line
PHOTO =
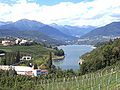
[(62, 12)]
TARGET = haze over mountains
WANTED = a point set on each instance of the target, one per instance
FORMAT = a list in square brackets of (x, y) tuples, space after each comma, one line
[(54, 33), (75, 31)]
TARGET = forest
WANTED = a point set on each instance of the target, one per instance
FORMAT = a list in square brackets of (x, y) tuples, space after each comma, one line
[(104, 55)]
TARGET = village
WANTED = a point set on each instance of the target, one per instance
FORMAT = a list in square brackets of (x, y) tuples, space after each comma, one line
[(20, 70), (7, 41)]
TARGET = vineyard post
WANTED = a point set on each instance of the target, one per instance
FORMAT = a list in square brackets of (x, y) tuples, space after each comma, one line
[(99, 87), (116, 80)]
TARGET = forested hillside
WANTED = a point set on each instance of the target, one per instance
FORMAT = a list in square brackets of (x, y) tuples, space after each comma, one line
[(104, 55)]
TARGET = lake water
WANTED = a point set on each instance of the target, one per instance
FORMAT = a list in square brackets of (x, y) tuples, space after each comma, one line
[(72, 56)]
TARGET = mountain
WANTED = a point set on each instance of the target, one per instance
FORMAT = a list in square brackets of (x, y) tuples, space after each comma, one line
[(79, 31), (25, 24), (55, 33), (109, 30), (34, 35), (4, 23), (73, 30), (27, 29)]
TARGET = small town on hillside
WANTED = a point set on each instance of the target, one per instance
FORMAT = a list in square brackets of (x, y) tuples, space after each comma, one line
[(7, 41), (20, 70)]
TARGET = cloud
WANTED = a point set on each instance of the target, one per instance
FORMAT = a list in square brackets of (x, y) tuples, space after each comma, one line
[(96, 13), (117, 15)]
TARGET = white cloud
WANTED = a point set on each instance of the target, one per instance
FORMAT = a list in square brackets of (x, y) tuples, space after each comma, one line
[(96, 13)]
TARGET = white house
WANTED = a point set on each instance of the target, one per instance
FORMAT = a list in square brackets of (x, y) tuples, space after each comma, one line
[(5, 67), (26, 58), (23, 42), (6, 42), (2, 54), (17, 41), (81, 61), (24, 70)]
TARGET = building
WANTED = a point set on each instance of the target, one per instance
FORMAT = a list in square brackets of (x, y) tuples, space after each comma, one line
[(26, 58), (7, 42), (5, 67), (17, 41), (23, 42), (25, 70), (81, 61)]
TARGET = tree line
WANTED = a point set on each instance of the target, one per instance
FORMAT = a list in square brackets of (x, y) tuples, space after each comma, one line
[(58, 52), (10, 58)]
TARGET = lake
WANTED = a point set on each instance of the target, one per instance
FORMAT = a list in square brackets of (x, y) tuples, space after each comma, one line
[(72, 56)]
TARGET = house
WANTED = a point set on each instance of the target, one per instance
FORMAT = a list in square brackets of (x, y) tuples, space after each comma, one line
[(30, 71), (23, 41), (13, 41), (25, 70), (17, 41), (7, 42), (2, 54), (81, 61), (26, 58), (5, 67)]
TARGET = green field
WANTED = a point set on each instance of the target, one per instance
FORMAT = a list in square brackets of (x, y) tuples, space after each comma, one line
[(38, 52)]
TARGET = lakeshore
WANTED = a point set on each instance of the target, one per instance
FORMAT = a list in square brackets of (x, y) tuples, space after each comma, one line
[(58, 57)]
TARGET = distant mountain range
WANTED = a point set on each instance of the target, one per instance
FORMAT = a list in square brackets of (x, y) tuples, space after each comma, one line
[(54, 33), (112, 29), (3, 23), (33, 29), (101, 34), (74, 30)]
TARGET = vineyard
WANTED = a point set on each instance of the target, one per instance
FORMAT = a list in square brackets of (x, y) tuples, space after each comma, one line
[(108, 80)]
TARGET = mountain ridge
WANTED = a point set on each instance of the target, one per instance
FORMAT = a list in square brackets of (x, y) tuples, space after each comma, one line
[(25, 24), (112, 29)]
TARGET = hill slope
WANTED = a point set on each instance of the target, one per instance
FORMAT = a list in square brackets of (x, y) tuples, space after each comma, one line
[(101, 57), (106, 79), (112, 29)]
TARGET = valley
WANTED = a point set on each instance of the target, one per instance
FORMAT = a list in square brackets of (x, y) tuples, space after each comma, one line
[(59, 45)]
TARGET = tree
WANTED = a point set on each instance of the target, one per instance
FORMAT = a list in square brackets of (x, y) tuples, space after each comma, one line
[(49, 63), (107, 54), (59, 52), (35, 66), (18, 57), (56, 48), (12, 72)]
